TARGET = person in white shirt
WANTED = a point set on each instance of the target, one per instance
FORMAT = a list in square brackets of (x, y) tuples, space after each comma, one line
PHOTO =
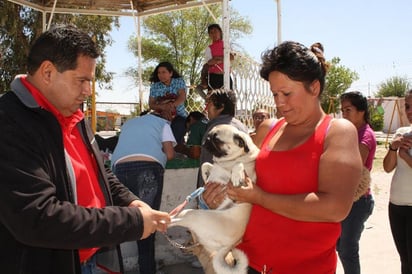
[(398, 158)]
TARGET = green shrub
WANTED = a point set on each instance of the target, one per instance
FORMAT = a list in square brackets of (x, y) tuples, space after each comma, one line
[(376, 121)]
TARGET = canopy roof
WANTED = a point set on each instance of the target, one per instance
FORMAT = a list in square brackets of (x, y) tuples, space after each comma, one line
[(112, 7)]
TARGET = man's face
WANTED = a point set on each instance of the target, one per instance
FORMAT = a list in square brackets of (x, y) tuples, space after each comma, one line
[(68, 90), (259, 117)]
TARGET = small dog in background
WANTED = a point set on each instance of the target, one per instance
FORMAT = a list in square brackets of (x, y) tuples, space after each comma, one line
[(219, 231)]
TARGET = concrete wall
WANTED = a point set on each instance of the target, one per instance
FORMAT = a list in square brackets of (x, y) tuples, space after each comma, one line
[(178, 183)]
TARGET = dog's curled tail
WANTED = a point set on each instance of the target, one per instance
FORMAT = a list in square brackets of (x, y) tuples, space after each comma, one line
[(221, 266)]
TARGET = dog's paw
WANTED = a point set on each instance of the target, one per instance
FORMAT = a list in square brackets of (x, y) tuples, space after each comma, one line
[(238, 175), (206, 169), (237, 264)]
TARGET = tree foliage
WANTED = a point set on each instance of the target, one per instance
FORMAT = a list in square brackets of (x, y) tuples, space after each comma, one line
[(180, 37), (394, 86), (20, 25), (338, 79)]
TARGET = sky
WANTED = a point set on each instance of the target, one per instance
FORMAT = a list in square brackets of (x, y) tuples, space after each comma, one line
[(371, 37)]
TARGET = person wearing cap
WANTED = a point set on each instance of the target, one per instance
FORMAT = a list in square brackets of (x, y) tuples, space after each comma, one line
[(212, 71), (259, 116)]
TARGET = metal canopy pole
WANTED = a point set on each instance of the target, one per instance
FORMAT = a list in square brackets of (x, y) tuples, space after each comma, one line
[(279, 17), (52, 14), (136, 20), (43, 23), (139, 52), (226, 44)]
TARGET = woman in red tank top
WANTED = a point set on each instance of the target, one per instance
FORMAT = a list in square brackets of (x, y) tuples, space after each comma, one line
[(307, 171)]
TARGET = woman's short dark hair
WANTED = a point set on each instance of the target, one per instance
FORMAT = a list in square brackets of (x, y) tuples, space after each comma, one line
[(359, 101), (225, 99), (296, 61)]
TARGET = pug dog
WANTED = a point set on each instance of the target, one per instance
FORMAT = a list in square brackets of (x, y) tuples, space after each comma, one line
[(219, 231)]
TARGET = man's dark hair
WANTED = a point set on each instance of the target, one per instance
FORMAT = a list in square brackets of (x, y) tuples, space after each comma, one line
[(61, 45), (225, 99), (197, 115)]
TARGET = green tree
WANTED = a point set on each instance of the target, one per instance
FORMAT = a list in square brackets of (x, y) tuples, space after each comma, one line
[(20, 25), (394, 86), (180, 37), (338, 79)]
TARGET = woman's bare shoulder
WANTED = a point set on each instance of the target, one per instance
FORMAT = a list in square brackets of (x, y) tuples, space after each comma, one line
[(343, 130)]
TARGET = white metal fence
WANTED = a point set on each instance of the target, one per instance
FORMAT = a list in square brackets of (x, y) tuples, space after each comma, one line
[(252, 92)]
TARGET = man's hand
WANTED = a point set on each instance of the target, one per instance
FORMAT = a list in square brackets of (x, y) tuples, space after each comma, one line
[(152, 219)]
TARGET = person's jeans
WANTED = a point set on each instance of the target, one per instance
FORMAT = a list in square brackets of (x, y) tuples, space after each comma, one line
[(400, 218), (179, 129), (145, 180), (216, 81), (90, 267), (352, 227)]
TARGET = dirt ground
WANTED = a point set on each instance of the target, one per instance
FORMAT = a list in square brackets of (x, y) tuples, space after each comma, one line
[(377, 250)]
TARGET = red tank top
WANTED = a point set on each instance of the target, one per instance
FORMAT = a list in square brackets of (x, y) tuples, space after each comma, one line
[(216, 49), (280, 244)]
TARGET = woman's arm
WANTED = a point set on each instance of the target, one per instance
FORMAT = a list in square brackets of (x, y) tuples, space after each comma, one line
[(364, 152), (390, 160), (181, 97)]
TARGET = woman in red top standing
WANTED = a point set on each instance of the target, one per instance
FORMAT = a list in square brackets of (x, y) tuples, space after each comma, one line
[(307, 171)]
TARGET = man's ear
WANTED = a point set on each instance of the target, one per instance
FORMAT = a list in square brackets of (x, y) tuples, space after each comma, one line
[(46, 71)]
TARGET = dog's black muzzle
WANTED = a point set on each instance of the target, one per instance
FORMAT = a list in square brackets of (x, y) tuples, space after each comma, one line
[(213, 144)]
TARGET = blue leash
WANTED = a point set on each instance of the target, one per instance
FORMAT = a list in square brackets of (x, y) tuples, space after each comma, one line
[(188, 199)]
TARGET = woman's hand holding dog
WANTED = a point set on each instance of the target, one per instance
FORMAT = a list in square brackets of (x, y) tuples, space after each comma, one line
[(245, 194), (214, 194)]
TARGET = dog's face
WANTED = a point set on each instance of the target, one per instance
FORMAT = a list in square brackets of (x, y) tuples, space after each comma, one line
[(226, 141)]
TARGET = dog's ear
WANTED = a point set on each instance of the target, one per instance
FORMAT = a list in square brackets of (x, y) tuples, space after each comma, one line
[(241, 142)]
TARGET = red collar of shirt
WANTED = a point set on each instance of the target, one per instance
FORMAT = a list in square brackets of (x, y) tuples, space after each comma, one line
[(66, 123)]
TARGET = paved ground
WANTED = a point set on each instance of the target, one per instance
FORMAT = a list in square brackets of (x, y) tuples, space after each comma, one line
[(377, 251)]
